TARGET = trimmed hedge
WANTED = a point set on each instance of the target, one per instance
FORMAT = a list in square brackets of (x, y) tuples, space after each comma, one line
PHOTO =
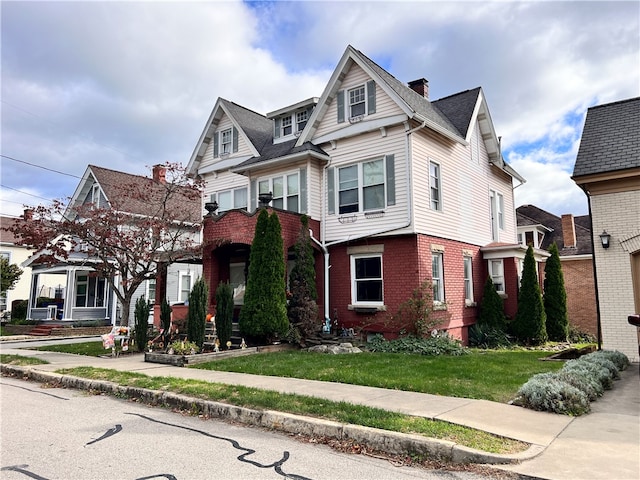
[(569, 390)]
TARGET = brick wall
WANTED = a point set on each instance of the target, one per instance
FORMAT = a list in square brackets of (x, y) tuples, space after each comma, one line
[(619, 215), (406, 264), (581, 294)]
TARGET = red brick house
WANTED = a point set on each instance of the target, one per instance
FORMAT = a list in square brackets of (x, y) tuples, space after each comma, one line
[(400, 190), (572, 236)]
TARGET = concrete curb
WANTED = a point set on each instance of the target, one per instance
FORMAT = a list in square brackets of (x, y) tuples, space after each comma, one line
[(376, 439)]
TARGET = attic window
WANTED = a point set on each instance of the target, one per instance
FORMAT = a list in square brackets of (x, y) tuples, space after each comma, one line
[(95, 195), (287, 125), (301, 120), (226, 141), (357, 98)]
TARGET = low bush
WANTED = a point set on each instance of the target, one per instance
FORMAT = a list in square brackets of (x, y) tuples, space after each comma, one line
[(546, 392), (576, 335), (488, 336), (181, 347), (440, 344), (589, 375)]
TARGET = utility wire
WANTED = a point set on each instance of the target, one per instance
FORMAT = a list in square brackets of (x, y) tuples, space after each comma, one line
[(39, 166), (26, 193)]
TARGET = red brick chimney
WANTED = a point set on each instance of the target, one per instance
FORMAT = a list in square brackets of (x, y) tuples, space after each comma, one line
[(421, 87), (568, 231), (28, 214), (160, 173)]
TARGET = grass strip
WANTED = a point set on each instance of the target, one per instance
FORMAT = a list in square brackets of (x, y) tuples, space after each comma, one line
[(20, 360), (342, 412), (494, 375), (90, 349)]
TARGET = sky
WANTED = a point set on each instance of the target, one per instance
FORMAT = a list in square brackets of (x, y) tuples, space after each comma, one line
[(126, 85)]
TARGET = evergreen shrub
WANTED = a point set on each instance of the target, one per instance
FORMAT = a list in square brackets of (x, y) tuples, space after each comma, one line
[(197, 314), (441, 344), (555, 298), (224, 313), (546, 392), (141, 328), (487, 336)]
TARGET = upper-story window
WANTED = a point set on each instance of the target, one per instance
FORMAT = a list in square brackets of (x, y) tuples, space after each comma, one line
[(301, 120), (354, 103), (287, 125), (225, 142), (434, 185), (357, 101), (497, 214), (285, 190), (230, 199), (361, 187)]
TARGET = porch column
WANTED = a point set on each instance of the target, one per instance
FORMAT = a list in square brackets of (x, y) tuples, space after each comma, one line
[(33, 295), (69, 294)]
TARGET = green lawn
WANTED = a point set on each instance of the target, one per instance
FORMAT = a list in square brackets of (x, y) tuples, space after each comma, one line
[(91, 349), (20, 360), (489, 375)]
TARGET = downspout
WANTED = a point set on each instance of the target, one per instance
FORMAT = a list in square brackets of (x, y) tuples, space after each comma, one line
[(323, 245), (595, 272)]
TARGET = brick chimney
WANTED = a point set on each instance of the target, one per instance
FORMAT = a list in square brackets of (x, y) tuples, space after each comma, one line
[(160, 173), (568, 231), (28, 214), (421, 87)]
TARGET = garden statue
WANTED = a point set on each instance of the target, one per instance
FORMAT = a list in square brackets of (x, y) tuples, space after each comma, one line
[(326, 328)]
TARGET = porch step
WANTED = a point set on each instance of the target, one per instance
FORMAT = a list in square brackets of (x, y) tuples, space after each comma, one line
[(43, 330)]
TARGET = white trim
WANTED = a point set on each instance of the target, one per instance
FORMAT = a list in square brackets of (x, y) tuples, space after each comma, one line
[(359, 128), (354, 291)]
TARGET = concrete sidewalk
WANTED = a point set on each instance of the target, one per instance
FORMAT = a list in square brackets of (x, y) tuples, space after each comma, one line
[(603, 444)]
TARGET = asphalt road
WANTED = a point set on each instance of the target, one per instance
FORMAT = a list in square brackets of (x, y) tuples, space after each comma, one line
[(52, 433)]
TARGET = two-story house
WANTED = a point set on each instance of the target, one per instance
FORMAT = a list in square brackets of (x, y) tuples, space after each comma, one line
[(85, 295), (400, 190)]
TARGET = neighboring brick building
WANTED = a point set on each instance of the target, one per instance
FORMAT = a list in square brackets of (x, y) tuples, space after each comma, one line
[(401, 190), (572, 235), (608, 170)]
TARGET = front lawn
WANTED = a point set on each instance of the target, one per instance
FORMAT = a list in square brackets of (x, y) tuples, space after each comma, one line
[(91, 349), (490, 375)]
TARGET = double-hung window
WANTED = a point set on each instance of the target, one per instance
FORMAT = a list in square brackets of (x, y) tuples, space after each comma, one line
[(184, 286), (468, 279), (285, 190), (357, 98), (434, 186), (151, 290), (287, 126), (369, 175), (366, 278), (229, 199), (301, 120), (226, 141), (497, 214), (437, 276), (496, 270)]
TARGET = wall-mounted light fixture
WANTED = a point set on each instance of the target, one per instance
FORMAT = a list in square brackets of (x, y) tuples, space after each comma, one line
[(604, 238)]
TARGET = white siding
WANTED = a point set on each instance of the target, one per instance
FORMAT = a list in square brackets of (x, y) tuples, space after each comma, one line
[(466, 179), (222, 181), (364, 147), (244, 149), (385, 106)]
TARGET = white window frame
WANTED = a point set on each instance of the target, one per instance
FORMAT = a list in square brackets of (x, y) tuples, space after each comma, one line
[(496, 271), (496, 200), (149, 289), (266, 185), (95, 195), (301, 120), (234, 203), (286, 122), (226, 141), (437, 277), (354, 280), (361, 187), (98, 301), (350, 103), (435, 186), (181, 275), (467, 268)]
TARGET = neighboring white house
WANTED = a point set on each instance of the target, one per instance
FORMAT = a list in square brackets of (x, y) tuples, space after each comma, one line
[(608, 170), (86, 295)]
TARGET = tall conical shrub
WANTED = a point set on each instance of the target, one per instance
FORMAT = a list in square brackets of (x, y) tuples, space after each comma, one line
[(303, 309), (141, 317), (491, 307), (555, 298), (529, 325), (197, 315), (224, 313), (264, 313), (165, 321)]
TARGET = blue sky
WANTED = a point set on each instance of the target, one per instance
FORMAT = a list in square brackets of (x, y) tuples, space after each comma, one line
[(126, 85)]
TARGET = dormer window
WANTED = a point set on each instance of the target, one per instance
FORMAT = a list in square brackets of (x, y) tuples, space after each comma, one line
[(287, 125), (301, 120), (225, 142), (356, 102)]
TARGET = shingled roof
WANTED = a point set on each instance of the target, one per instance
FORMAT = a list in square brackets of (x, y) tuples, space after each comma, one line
[(117, 186), (531, 215), (610, 139)]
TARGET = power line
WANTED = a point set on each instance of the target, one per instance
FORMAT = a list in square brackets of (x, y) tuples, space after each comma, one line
[(26, 193), (40, 166)]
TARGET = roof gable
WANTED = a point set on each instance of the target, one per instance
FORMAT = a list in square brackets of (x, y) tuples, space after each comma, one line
[(610, 139), (255, 129)]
